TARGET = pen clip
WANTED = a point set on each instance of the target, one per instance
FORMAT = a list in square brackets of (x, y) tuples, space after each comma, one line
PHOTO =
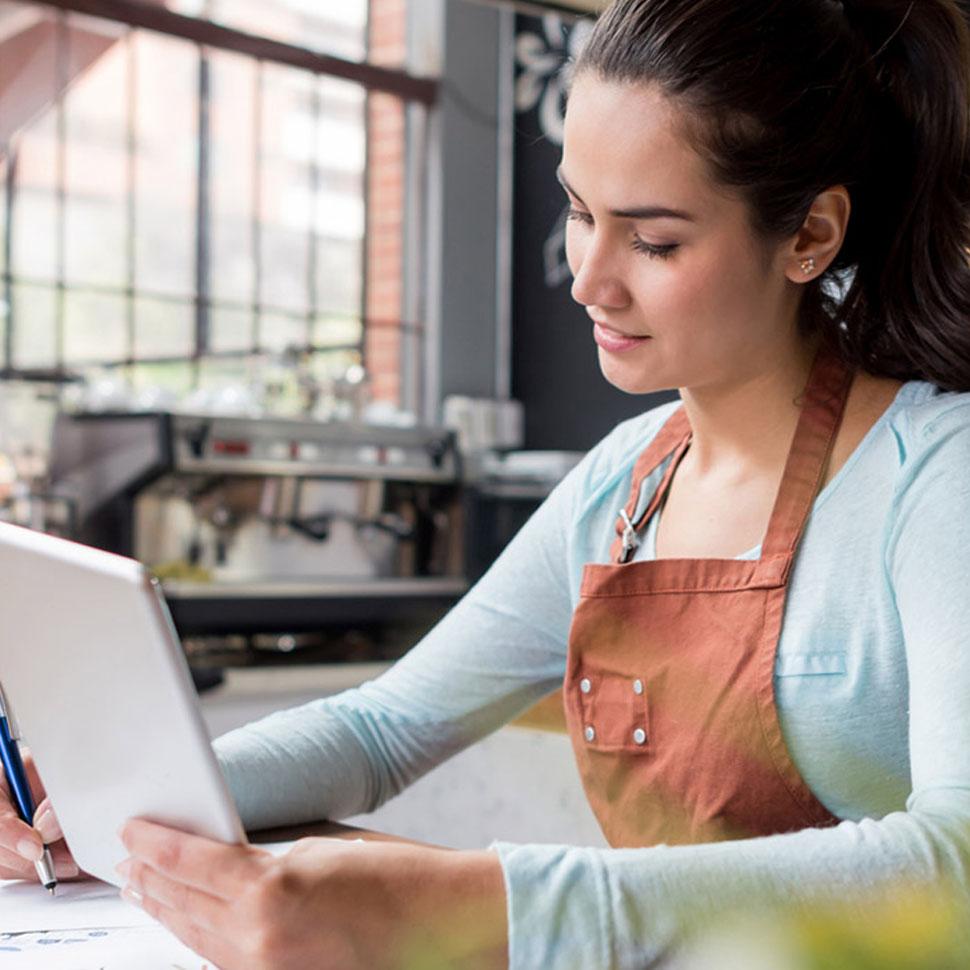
[(5, 711)]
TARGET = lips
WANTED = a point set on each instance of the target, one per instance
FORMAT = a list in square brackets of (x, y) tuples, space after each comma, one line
[(618, 333), (614, 340)]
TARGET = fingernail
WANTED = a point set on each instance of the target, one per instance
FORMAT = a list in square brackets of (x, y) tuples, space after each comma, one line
[(66, 870), (124, 868), (131, 896), (30, 849), (47, 826)]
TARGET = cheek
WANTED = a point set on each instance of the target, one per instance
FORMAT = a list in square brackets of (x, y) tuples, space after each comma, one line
[(675, 290), (699, 289)]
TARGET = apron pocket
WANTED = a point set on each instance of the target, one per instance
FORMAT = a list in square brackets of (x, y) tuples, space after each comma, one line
[(807, 664), (614, 711)]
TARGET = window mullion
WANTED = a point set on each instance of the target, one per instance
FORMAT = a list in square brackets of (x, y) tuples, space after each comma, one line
[(313, 297), (8, 188), (257, 225), (203, 209), (62, 61), (131, 148)]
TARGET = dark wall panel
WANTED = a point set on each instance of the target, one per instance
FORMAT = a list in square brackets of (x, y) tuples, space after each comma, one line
[(568, 403)]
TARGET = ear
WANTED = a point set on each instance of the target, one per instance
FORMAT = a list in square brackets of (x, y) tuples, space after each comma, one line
[(812, 249)]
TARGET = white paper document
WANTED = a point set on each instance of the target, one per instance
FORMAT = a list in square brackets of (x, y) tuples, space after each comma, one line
[(88, 926), (92, 904), (144, 947)]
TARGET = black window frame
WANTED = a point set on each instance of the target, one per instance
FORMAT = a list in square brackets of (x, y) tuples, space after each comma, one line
[(206, 35)]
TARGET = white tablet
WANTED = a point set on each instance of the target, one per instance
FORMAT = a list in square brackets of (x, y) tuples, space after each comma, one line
[(97, 683)]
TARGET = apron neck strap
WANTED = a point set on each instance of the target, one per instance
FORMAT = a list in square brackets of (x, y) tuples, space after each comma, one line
[(672, 438), (823, 404)]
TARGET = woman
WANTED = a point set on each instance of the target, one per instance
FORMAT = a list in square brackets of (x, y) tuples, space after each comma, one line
[(763, 653)]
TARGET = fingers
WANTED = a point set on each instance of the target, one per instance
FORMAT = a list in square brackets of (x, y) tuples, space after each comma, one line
[(45, 821), (33, 778), (20, 844), (198, 939), (64, 865), (17, 837), (212, 867), (210, 912), (13, 866)]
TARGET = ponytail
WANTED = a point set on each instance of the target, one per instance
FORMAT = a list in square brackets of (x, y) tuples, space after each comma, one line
[(907, 312)]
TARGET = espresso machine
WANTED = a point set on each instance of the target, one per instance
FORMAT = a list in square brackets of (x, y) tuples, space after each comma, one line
[(275, 539)]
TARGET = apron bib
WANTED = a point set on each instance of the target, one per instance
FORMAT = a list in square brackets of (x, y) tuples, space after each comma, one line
[(669, 685)]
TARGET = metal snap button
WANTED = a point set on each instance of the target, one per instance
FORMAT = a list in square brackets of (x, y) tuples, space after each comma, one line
[(590, 733), (639, 735), (638, 686), (585, 686)]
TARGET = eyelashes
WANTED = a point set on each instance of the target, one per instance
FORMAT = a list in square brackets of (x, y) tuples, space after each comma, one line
[(636, 244), (658, 252)]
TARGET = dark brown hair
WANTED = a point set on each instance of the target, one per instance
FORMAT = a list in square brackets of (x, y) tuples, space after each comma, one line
[(786, 98)]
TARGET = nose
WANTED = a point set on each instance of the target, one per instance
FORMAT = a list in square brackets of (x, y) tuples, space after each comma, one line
[(596, 277)]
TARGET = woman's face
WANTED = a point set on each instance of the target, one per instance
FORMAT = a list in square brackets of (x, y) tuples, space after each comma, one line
[(680, 297)]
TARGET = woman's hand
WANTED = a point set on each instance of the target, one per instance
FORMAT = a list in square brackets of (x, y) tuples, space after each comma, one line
[(325, 904), (21, 845)]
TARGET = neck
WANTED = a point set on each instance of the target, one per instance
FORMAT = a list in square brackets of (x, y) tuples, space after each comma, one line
[(746, 427)]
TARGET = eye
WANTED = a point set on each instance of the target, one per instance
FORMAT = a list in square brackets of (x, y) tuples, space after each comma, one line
[(649, 249), (636, 244), (579, 216)]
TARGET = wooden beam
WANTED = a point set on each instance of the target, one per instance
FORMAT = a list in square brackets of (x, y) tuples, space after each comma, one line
[(209, 34), (573, 8)]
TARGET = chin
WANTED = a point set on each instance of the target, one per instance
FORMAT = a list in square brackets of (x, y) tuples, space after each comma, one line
[(628, 378)]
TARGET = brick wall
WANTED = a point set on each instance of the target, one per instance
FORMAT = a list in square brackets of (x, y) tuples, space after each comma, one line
[(385, 186)]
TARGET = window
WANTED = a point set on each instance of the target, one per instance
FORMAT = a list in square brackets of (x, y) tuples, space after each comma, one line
[(191, 207)]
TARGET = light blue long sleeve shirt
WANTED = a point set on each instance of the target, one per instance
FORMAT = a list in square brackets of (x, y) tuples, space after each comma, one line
[(872, 685)]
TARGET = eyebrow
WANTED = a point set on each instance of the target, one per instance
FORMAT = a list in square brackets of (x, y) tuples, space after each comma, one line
[(639, 212)]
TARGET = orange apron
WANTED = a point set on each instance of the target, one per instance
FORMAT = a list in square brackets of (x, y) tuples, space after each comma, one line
[(669, 686)]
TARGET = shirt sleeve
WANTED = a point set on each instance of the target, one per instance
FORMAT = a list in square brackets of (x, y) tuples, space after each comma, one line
[(623, 908), (500, 649)]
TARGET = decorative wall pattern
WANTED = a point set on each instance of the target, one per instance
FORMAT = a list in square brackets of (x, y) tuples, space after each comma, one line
[(555, 370), (545, 59)]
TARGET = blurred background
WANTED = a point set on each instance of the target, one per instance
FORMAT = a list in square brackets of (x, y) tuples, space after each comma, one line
[(284, 314)]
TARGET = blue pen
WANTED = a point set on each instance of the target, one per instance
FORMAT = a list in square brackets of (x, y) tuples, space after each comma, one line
[(13, 767)]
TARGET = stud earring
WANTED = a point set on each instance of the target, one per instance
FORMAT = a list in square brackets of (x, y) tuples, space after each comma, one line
[(808, 265)]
